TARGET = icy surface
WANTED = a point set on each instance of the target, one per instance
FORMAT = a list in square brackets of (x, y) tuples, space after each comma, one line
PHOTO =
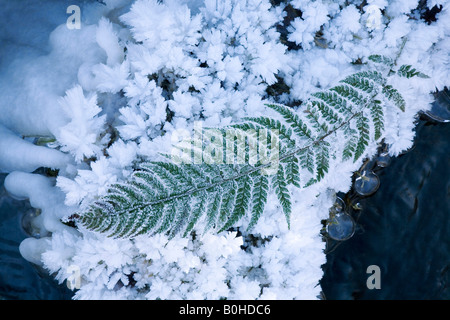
[(129, 64), (19, 154)]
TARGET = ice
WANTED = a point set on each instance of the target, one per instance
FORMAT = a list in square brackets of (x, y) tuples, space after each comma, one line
[(42, 194), (32, 249), (19, 154), (113, 92)]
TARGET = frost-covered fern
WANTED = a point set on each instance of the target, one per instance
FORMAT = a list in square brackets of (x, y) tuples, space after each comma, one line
[(293, 149)]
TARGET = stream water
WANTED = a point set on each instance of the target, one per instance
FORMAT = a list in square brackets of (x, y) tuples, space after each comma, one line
[(403, 229)]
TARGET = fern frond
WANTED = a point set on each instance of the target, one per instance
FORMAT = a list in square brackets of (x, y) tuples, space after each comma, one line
[(196, 211), (294, 146), (228, 201), (361, 82)]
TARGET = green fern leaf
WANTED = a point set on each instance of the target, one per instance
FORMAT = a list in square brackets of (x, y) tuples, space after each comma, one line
[(282, 192), (408, 71), (242, 201), (363, 140), (214, 206), (164, 197), (360, 82), (259, 195), (394, 96), (228, 201), (381, 59), (292, 171), (196, 211), (376, 112), (351, 94), (312, 114), (322, 159), (294, 120), (307, 159), (335, 101), (349, 148), (265, 122)]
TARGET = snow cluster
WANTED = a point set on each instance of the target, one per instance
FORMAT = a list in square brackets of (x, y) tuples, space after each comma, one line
[(111, 94)]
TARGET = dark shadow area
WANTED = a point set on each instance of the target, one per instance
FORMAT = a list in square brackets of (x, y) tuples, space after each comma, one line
[(403, 228)]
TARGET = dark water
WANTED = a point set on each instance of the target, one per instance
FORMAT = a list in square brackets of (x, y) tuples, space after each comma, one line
[(403, 228), (19, 279)]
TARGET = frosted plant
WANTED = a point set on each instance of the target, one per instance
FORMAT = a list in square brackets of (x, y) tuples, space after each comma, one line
[(163, 197), (81, 136)]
